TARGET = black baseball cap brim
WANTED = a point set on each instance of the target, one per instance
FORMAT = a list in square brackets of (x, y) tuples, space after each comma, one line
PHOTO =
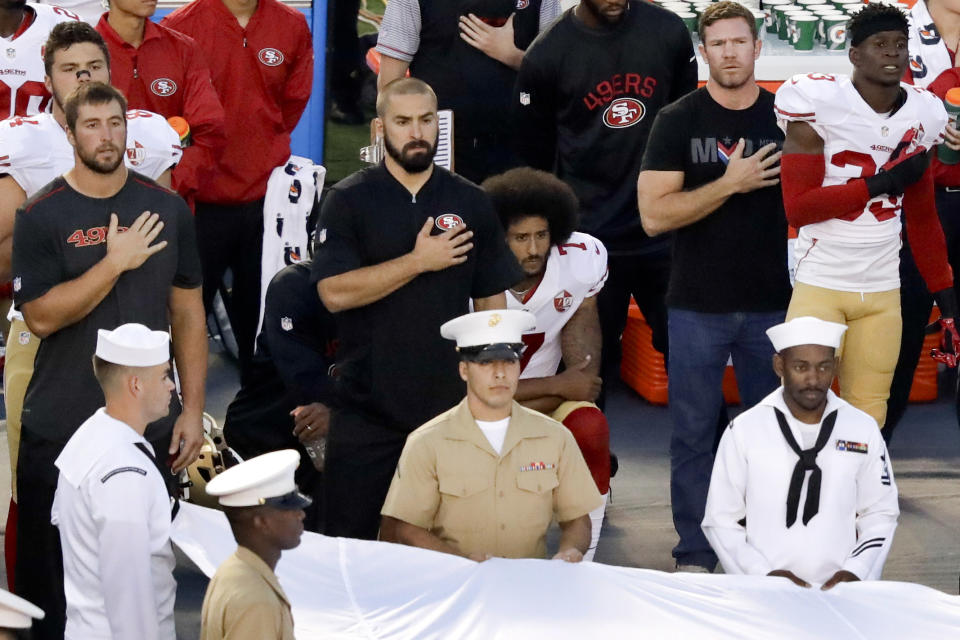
[(506, 351), (289, 501)]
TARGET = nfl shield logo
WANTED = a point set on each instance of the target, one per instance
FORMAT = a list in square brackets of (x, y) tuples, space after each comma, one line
[(11, 53), (24, 337), (286, 323), (524, 98)]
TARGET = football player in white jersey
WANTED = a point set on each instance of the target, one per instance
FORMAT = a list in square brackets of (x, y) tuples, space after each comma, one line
[(24, 27), (565, 270), (857, 156), (33, 151)]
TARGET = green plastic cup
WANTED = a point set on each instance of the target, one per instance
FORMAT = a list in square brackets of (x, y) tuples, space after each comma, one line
[(804, 29), (690, 19), (835, 32), (771, 21), (760, 19), (781, 11)]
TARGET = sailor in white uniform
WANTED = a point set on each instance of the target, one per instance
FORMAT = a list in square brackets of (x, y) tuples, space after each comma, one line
[(111, 504), (802, 485)]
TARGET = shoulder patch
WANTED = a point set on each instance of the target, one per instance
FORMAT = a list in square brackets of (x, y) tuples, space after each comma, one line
[(119, 470)]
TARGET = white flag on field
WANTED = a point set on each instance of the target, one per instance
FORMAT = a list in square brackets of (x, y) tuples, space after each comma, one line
[(342, 588)]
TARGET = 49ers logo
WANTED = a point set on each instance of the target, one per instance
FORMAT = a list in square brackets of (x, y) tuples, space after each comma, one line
[(448, 221), (270, 57), (163, 87), (623, 113), (92, 236)]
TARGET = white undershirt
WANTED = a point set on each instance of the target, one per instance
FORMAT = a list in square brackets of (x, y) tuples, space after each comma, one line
[(808, 432), (495, 432)]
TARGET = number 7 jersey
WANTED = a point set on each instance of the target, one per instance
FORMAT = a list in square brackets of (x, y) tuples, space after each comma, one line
[(576, 270), (860, 251)]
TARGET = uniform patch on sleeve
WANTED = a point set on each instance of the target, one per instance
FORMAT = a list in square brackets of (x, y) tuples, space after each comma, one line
[(855, 447), (142, 472)]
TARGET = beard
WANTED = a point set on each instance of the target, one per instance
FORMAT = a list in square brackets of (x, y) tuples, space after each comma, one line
[(408, 160), (104, 167)]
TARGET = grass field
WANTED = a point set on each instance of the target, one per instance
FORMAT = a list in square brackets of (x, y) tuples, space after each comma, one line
[(341, 152)]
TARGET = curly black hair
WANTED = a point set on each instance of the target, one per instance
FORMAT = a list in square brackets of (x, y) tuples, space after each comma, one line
[(524, 192), (873, 18)]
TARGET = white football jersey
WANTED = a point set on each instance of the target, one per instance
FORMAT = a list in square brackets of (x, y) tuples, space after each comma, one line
[(21, 64), (575, 270), (859, 252), (34, 150)]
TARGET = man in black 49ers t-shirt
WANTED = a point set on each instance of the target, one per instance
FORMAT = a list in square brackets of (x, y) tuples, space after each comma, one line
[(711, 174), (587, 93)]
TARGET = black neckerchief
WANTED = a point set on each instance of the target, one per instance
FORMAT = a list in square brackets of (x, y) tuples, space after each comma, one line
[(175, 506), (807, 462)]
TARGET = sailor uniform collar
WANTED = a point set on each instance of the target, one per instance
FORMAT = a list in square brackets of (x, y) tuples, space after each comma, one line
[(806, 458)]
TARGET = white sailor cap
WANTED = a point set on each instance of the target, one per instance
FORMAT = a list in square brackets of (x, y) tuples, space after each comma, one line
[(806, 330), (264, 480), (17, 613), (484, 336), (133, 345)]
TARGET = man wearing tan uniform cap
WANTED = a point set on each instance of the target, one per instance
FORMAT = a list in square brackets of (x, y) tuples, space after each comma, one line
[(244, 600), (487, 477)]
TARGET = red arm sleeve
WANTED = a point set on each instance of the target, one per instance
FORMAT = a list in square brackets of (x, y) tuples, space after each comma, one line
[(300, 83), (926, 236), (204, 113), (806, 200)]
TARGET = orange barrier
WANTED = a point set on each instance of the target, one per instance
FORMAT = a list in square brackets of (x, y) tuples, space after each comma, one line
[(643, 370)]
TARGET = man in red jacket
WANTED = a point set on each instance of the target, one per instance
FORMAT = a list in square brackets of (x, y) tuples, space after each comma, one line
[(163, 71), (261, 61)]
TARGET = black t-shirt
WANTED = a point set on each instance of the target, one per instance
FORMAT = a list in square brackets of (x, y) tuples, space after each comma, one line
[(58, 236), (290, 367), (584, 104), (393, 366), (477, 87), (735, 258)]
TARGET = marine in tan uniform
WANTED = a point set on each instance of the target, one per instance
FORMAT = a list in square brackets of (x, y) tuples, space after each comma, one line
[(244, 600), (487, 477)]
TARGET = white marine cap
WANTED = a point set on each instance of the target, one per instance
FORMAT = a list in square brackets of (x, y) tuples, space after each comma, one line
[(17, 613), (806, 330), (483, 336), (133, 345), (266, 479)]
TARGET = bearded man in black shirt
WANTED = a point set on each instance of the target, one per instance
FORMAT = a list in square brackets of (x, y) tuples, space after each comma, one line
[(710, 174), (587, 92), (402, 248)]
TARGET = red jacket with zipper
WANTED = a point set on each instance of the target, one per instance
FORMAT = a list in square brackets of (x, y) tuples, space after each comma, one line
[(263, 74), (167, 74)]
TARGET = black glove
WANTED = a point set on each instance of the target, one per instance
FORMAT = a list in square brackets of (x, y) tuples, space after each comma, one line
[(895, 177)]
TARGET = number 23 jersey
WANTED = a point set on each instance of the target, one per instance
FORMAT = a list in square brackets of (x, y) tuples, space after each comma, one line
[(34, 150), (576, 270), (860, 251)]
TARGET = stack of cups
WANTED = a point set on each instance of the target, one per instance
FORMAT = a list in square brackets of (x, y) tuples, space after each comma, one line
[(807, 22)]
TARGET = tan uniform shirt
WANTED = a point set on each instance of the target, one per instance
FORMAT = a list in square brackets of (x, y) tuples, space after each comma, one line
[(451, 482), (244, 601)]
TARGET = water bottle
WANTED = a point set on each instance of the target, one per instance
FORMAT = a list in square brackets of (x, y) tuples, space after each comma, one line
[(317, 450), (952, 104)]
